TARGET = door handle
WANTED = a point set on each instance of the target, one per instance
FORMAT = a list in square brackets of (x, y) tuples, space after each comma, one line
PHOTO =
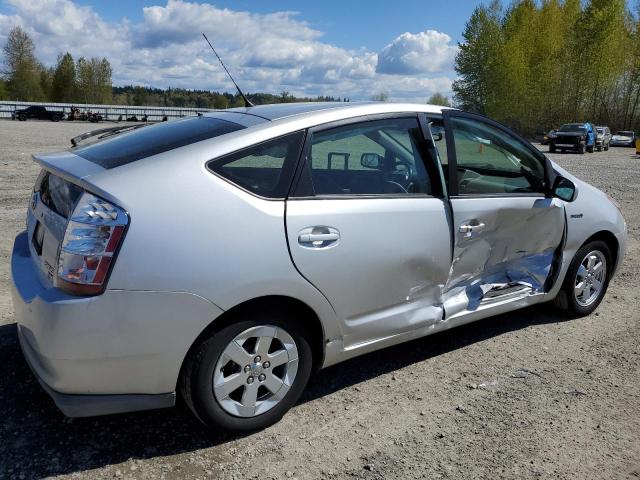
[(469, 228), (318, 237)]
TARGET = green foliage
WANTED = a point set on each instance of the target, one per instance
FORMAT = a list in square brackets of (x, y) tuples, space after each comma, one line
[(178, 97), (439, 99), (22, 70), (3, 90), (538, 64), (93, 79), (63, 88)]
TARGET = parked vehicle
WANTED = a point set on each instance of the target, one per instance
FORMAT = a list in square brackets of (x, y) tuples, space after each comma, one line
[(603, 138), (578, 137), (86, 116), (228, 256), (37, 112), (623, 138), (548, 137)]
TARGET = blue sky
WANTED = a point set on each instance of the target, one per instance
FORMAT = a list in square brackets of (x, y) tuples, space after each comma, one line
[(366, 23), (354, 49)]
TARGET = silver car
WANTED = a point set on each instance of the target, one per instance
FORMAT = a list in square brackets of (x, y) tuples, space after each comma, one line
[(228, 256)]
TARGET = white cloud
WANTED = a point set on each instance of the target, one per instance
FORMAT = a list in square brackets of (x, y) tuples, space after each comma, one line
[(266, 52), (424, 52)]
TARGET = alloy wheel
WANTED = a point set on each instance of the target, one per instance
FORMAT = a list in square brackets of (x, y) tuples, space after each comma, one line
[(255, 371), (590, 278)]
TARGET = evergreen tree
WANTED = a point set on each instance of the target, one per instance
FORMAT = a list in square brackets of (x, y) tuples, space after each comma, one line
[(63, 88)]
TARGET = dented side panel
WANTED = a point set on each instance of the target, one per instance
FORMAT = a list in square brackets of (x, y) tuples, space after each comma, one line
[(510, 250)]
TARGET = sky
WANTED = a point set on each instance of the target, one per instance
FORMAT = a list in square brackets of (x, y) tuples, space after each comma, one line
[(353, 49)]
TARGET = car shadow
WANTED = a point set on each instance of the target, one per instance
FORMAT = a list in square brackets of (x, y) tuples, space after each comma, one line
[(39, 441)]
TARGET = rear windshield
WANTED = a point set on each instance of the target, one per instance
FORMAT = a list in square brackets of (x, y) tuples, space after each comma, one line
[(572, 128), (153, 139)]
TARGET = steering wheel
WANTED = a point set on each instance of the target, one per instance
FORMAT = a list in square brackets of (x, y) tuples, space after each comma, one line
[(402, 178)]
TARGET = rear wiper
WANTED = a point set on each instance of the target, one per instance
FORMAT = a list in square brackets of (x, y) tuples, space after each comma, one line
[(105, 132)]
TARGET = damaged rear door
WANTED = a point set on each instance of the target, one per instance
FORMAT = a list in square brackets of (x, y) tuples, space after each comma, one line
[(506, 229)]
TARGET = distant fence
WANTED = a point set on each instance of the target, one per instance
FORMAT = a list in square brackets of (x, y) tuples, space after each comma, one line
[(108, 112)]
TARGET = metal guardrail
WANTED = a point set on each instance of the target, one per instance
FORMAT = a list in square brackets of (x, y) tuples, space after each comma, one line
[(108, 112)]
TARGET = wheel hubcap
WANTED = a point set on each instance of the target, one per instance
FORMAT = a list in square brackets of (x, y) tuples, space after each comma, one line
[(590, 278), (255, 371)]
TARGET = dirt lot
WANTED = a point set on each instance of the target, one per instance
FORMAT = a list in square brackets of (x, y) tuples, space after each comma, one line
[(529, 394)]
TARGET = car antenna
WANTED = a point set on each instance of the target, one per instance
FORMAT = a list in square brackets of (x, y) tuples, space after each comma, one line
[(247, 103)]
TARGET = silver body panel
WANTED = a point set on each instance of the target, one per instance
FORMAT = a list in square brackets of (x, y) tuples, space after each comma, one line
[(198, 246)]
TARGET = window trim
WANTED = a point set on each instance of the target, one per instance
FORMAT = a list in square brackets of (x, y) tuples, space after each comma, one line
[(289, 168), (300, 191), (549, 175)]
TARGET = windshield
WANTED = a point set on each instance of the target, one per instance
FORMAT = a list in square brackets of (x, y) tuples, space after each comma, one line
[(600, 130), (572, 127), (625, 134)]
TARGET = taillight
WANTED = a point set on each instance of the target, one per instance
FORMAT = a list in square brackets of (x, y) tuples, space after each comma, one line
[(92, 238)]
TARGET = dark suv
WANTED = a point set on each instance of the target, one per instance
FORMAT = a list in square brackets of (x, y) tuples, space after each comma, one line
[(574, 136), (37, 112)]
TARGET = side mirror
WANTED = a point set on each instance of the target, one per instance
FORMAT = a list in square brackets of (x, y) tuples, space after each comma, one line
[(371, 160), (437, 136), (564, 189)]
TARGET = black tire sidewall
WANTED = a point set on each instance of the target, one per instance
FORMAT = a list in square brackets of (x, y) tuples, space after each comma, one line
[(568, 287), (203, 399)]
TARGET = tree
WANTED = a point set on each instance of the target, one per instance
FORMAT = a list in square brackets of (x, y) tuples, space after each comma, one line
[(63, 87), (439, 99), (380, 97), (477, 58), (540, 63), (22, 70), (3, 90), (93, 78)]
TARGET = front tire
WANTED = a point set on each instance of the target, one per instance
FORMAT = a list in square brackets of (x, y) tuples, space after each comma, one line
[(587, 279), (552, 149), (247, 375), (581, 149)]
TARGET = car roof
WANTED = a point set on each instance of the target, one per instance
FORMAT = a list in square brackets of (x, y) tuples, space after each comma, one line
[(280, 111)]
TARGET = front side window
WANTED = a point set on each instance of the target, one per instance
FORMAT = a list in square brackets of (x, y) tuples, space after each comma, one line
[(490, 161), (370, 158), (265, 169)]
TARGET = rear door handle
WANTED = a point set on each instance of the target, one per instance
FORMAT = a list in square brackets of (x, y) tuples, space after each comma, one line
[(318, 237), (469, 228)]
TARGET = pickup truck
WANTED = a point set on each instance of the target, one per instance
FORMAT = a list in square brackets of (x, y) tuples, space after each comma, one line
[(579, 137), (38, 112)]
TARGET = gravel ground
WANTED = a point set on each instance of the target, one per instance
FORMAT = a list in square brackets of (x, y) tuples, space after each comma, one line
[(528, 394)]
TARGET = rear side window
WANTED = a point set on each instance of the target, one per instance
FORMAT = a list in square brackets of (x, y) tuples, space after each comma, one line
[(265, 169), (151, 140)]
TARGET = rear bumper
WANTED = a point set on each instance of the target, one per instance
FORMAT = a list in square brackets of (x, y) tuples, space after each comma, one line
[(119, 351), (92, 405)]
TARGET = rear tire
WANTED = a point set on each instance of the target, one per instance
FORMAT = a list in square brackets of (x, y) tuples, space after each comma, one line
[(584, 287), (552, 149), (227, 395), (590, 149), (581, 149)]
